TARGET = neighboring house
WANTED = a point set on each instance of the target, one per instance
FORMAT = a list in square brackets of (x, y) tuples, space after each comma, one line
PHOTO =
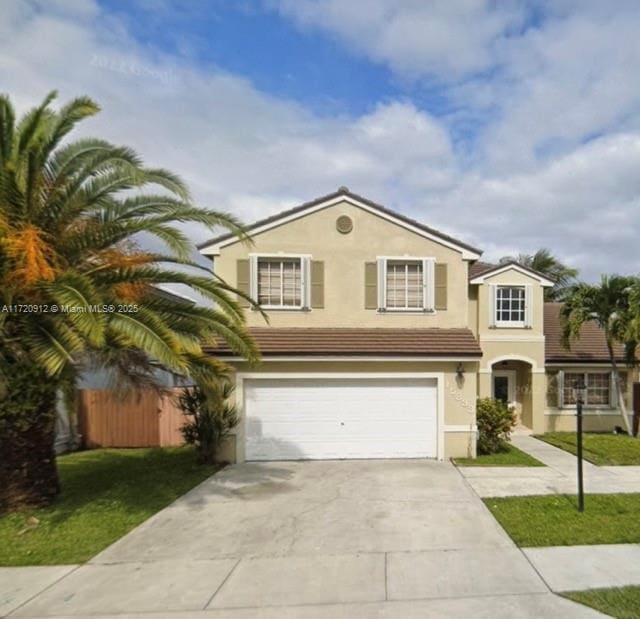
[(383, 332)]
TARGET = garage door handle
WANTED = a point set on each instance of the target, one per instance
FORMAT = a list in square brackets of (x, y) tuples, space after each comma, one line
[(342, 423)]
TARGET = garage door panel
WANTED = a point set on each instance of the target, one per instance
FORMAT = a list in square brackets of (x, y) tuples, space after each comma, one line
[(340, 418)]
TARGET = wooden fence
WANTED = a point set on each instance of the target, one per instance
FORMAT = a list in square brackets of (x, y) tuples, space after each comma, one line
[(145, 419)]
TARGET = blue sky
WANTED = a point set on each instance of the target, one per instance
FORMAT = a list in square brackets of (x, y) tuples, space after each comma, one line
[(513, 125), (266, 48)]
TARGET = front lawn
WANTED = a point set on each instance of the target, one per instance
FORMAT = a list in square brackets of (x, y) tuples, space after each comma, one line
[(509, 456), (105, 494), (601, 449), (621, 602), (554, 521)]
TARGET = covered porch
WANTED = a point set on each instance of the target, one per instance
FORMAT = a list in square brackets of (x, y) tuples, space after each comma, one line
[(518, 383)]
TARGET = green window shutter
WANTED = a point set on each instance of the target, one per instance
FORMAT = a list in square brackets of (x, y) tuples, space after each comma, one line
[(370, 285), (317, 284), (440, 291), (243, 272)]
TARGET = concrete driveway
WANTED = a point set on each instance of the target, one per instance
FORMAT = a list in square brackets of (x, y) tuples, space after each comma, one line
[(395, 538)]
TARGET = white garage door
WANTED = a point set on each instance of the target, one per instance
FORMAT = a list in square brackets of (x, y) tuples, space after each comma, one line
[(292, 419)]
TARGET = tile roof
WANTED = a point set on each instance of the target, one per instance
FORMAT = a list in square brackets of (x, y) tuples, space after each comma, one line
[(343, 191), (591, 347), (362, 342), (479, 267), (482, 268)]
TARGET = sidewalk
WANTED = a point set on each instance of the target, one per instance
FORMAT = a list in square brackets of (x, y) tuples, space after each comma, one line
[(558, 477), (575, 568), (19, 584)]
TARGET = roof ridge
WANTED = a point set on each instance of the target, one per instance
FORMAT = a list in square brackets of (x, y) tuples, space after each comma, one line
[(511, 263), (344, 191)]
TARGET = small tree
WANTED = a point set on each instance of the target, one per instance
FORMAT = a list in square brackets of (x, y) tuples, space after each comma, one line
[(613, 307), (495, 421), (210, 418)]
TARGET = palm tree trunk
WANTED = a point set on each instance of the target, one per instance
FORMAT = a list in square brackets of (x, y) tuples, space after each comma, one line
[(620, 395), (28, 471)]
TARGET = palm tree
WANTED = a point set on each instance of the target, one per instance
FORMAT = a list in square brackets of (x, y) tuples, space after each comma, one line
[(546, 263), (76, 285), (610, 306)]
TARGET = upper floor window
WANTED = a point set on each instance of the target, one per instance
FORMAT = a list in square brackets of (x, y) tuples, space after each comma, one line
[(406, 284), (280, 281), (511, 305)]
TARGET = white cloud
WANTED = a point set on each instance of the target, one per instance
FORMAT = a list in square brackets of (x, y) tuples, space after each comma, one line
[(583, 206), (226, 138), (243, 150), (575, 79), (542, 87), (413, 37)]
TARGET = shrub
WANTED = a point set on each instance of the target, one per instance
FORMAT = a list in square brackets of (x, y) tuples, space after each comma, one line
[(495, 421), (210, 418)]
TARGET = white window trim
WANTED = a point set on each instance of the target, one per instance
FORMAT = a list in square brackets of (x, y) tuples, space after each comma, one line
[(305, 284), (428, 285), (528, 307), (613, 400)]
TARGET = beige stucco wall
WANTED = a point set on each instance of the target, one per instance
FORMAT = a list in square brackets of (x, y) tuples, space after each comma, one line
[(473, 309), (521, 348), (496, 351), (604, 421), (460, 444), (344, 257), (459, 395)]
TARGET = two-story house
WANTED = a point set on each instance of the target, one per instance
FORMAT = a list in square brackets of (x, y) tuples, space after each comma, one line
[(383, 332)]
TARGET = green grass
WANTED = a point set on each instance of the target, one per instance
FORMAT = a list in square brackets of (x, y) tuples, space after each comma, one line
[(105, 494), (510, 456), (621, 602), (553, 520), (601, 449)]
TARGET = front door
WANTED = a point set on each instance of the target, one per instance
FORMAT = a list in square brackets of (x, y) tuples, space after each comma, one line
[(504, 386)]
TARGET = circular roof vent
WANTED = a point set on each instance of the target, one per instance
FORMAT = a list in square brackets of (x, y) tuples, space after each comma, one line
[(344, 224)]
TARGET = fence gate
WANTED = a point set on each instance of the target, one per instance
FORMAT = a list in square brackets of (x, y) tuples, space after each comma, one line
[(144, 419)]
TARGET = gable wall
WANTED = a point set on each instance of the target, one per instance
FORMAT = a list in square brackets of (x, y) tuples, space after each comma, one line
[(344, 258), (510, 277)]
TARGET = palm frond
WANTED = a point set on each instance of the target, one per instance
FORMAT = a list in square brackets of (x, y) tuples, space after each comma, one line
[(79, 300), (146, 331), (31, 127), (71, 218), (66, 119), (7, 128)]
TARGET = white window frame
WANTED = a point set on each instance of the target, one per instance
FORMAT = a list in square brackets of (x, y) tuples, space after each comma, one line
[(428, 284), (305, 288), (613, 402), (526, 323)]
